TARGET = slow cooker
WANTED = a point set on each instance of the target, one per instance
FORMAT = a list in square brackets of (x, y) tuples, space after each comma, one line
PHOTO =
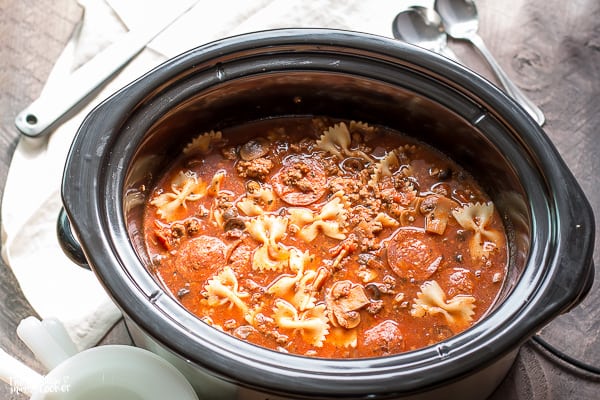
[(124, 144)]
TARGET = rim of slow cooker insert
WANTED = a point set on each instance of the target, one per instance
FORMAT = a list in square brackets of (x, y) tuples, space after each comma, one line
[(270, 368)]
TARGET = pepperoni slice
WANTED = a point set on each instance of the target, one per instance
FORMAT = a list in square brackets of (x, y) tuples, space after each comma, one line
[(300, 181), (413, 254)]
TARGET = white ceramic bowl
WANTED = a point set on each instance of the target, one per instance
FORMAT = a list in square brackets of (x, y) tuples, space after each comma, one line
[(115, 372)]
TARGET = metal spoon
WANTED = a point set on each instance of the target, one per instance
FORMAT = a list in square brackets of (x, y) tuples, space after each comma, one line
[(423, 27), (460, 21)]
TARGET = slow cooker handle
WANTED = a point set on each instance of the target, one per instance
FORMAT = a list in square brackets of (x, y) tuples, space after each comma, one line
[(574, 277), (68, 242)]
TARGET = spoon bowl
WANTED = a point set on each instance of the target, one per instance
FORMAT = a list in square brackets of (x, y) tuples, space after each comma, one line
[(461, 21), (460, 17), (423, 27)]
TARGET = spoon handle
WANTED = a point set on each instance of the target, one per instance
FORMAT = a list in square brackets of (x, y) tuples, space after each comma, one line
[(448, 53), (60, 102), (511, 89)]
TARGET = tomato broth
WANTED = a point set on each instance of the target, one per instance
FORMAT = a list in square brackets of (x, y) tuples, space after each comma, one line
[(325, 238)]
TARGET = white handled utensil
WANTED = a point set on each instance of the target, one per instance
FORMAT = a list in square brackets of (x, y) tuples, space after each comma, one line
[(53, 106)]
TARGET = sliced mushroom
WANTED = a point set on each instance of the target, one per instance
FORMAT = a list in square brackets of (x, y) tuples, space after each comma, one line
[(229, 213), (437, 210), (349, 319), (254, 148), (232, 220), (343, 301), (252, 187), (373, 290), (353, 164), (233, 224)]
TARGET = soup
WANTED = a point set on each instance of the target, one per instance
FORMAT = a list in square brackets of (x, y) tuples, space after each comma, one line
[(325, 238)]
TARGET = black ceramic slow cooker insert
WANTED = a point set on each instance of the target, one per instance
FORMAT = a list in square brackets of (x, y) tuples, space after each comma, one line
[(124, 144)]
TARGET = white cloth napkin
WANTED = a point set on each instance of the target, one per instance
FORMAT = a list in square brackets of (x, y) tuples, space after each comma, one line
[(53, 285)]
